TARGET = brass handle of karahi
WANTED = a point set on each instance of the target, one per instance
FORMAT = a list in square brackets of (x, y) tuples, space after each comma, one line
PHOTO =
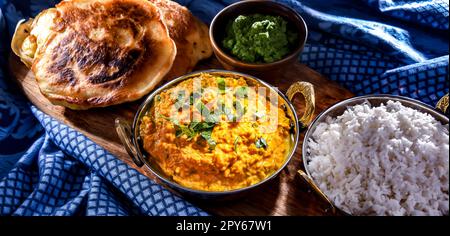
[(307, 90)]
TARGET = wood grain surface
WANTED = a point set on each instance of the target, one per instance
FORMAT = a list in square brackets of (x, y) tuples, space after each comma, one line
[(285, 195)]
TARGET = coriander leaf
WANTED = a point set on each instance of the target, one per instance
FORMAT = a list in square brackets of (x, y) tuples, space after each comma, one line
[(165, 117), (207, 136), (221, 85), (209, 117), (236, 140), (261, 143), (193, 126), (200, 126), (240, 110), (175, 122), (178, 132), (225, 110), (221, 105), (182, 129), (202, 108), (237, 105), (193, 97), (213, 118)]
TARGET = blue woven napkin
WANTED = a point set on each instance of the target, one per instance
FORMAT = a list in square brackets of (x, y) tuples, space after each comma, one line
[(369, 46), (65, 173)]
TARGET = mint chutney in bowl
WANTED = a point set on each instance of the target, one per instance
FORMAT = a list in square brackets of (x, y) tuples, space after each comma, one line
[(258, 36)]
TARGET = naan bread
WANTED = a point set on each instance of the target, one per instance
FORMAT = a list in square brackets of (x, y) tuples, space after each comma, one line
[(190, 35), (96, 53)]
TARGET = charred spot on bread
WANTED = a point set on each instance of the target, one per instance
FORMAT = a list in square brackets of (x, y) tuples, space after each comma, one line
[(100, 52), (97, 53)]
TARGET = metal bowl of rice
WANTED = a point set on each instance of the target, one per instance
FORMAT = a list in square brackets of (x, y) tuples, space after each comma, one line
[(379, 155)]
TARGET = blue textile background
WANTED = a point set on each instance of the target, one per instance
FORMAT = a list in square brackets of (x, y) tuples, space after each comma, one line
[(369, 46)]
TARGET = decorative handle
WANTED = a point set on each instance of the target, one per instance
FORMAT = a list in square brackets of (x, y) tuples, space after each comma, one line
[(307, 90), (442, 105), (317, 190), (124, 131)]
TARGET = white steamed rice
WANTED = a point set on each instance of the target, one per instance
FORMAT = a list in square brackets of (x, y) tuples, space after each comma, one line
[(386, 160)]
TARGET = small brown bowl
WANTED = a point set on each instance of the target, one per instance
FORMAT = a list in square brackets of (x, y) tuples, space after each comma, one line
[(220, 21)]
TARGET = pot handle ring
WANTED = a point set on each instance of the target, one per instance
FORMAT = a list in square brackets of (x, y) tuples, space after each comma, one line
[(307, 90), (124, 132), (443, 103)]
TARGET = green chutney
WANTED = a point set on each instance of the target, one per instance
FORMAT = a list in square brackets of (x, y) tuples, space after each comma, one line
[(259, 38)]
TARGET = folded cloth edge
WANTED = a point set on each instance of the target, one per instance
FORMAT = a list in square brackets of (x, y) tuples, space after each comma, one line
[(151, 197)]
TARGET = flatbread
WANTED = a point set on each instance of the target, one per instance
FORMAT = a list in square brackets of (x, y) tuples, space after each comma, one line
[(96, 53), (191, 37)]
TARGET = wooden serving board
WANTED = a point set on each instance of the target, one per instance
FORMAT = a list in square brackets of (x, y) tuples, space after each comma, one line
[(285, 195)]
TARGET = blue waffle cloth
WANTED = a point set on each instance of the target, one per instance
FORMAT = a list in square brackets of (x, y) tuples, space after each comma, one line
[(369, 46)]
